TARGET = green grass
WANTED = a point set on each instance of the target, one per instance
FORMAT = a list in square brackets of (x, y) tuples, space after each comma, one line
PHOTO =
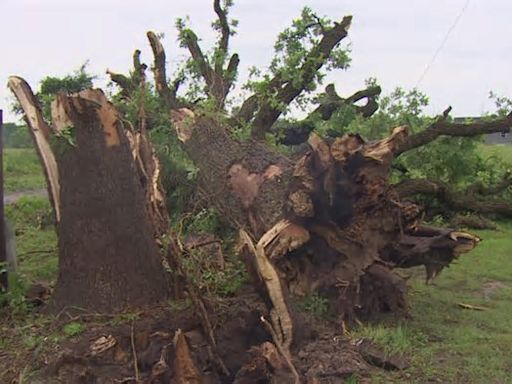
[(449, 344), (22, 170), (36, 240), (503, 152)]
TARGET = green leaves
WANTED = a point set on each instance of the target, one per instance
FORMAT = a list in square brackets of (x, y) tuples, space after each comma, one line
[(72, 83), (73, 329), (296, 51)]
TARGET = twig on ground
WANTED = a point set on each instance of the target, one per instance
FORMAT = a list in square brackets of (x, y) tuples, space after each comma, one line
[(473, 307), (134, 353)]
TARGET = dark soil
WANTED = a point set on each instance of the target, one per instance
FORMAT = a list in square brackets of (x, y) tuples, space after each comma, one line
[(107, 348)]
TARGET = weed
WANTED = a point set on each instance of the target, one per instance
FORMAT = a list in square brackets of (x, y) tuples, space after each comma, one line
[(225, 282), (73, 329), (206, 220), (31, 341), (14, 298), (315, 304), (123, 318), (352, 379), (214, 280), (179, 305), (394, 339)]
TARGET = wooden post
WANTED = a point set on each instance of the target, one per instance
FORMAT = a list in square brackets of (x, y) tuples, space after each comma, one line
[(3, 244)]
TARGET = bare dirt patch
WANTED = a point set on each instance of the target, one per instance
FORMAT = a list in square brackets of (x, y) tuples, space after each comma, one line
[(490, 288)]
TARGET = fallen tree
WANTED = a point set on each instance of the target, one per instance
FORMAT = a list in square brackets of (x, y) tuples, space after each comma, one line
[(323, 221)]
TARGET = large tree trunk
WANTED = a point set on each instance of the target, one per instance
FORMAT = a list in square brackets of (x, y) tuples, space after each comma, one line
[(108, 258), (328, 220)]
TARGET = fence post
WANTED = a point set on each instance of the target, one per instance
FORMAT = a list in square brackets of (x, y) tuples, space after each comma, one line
[(3, 241)]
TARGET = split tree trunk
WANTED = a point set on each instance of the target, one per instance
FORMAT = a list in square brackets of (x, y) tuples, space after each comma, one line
[(108, 258)]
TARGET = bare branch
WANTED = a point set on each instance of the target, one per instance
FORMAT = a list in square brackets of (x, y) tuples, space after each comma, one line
[(443, 127), (286, 91), (123, 82), (190, 40), (331, 102), (218, 82), (139, 69), (127, 84), (232, 68), (490, 190), (458, 201), (159, 71), (247, 110)]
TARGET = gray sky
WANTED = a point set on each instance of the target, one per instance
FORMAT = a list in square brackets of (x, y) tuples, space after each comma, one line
[(391, 40)]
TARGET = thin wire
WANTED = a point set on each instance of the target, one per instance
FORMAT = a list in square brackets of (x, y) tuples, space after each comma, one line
[(441, 46)]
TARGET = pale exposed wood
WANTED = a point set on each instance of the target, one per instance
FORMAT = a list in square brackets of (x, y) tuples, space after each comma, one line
[(40, 132), (280, 316), (184, 367)]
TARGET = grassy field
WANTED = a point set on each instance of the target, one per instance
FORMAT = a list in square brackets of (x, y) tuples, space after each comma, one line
[(445, 343), (36, 241), (448, 344), (22, 170), (503, 152)]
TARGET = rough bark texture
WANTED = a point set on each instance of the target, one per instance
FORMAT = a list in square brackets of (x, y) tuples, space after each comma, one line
[(443, 127), (475, 198), (108, 259)]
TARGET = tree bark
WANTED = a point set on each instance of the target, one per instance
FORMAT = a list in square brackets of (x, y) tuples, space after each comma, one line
[(108, 259), (443, 127)]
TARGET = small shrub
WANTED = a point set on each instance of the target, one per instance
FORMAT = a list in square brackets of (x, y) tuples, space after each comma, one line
[(316, 305), (14, 298), (73, 329)]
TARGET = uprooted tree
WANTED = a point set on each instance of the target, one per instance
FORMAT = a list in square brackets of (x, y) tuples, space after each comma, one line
[(321, 217), (316, 214)]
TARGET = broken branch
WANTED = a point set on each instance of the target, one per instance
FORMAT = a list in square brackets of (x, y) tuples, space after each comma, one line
[(286, 91), (443, 127), (159, 71)]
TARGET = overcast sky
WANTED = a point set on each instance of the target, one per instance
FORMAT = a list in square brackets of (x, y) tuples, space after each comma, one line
[(391, 40)]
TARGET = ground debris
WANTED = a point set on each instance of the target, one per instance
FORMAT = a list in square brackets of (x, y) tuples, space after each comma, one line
[(329, 359), (473, 307), (375, 355)]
